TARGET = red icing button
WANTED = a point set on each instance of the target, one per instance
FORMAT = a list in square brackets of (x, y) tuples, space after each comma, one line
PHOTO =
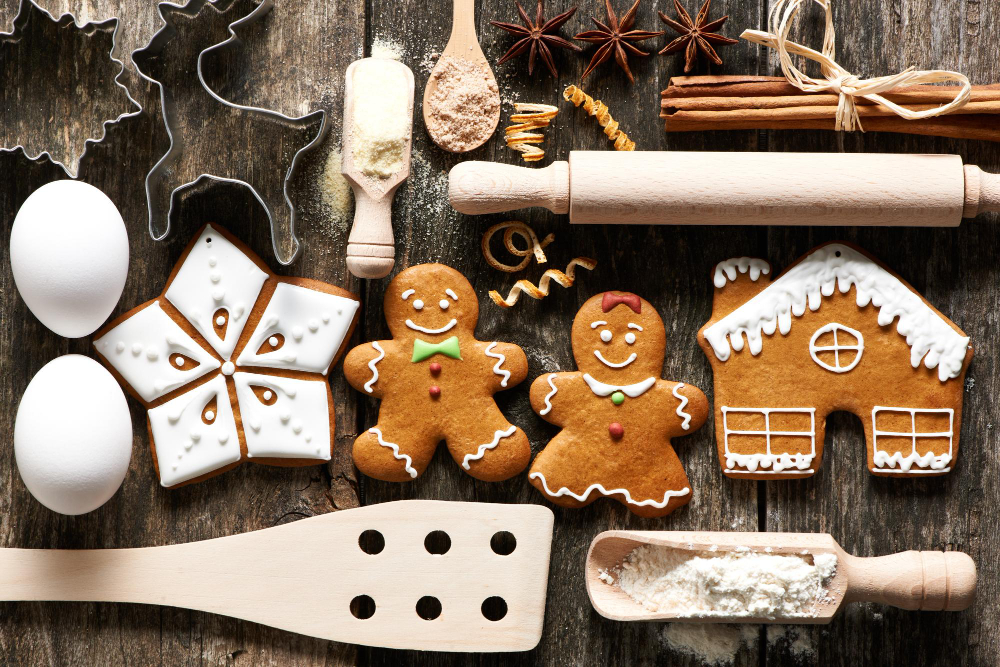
[(616, 430), (435, 391), (435, 368)]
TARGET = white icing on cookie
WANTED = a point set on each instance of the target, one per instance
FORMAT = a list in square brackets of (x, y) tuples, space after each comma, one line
[(407, 461), (314, 325), (600, 489), (450, 292), (686, 417), (835, 266), (630, 390), (487, 446), (548, 397), (728, 269), (371, 366), (421, 329), (632, 357), (295, 426), (497, 369), (408, 293), (187, 447), (153, 371), (598, 323), (216, 275)]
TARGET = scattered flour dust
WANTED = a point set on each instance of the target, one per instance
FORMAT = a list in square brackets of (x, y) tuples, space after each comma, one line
[(730, 583), (336, 191), (800, 641), (383, 47), (713, 644)]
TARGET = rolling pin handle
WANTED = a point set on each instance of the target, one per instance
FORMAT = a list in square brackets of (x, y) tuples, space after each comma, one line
[(476, 188), (924, 580), (371, 249), (982, 191)]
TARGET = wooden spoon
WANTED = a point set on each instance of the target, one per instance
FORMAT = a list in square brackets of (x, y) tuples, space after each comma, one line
[(306, 576), (464, 44), (370, 247), (926, 580)]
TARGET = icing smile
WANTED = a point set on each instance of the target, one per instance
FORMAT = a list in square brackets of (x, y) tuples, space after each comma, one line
[(600, 357), (447, 327)]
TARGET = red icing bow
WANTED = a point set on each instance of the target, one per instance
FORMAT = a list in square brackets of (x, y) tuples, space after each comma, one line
[(631, 300)]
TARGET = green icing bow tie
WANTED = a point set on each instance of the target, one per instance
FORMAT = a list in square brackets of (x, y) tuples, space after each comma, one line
[(424, 350)]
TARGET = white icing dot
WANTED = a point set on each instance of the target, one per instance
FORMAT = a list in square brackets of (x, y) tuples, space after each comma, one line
[(444, 303), (630, 338), (326, 318), (297, 333), (120, 347), (173, 418), (180, 456), (179, 360), (223, 438), (273, 341), (317, 450), (606, 336), (212, 261), (418, 305), (152, 355), (285, 417), (238, 310), (228, 368), (268, 395), (313, 326), (219, 294), (215, 277), (297, 427), (209, 415), (255, 423), (220, 320), (137, 349), (195, 436), (188, 446), (290, 392), (340, 311), (175, 466), (308, 438)]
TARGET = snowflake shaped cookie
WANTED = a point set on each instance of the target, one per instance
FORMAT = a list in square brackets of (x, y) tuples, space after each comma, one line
[(231, 362)]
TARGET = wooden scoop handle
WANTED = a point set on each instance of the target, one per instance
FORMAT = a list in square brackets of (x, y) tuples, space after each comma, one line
[(370, 247), (925, 580)]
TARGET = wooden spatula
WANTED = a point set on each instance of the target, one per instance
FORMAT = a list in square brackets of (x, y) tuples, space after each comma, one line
[(464, 44), (303, 576), (371, 251), (926, 580)]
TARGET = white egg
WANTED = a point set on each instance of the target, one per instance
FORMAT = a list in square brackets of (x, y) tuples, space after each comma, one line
[(73, 435), (69, 256)]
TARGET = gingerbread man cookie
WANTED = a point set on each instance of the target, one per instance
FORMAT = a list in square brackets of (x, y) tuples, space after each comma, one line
[(617, 416), (436, 382)]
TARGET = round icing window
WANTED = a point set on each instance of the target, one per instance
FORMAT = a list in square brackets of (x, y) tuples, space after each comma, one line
[(836, 348)]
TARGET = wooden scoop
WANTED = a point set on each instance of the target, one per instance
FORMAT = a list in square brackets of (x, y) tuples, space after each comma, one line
[(464, 44), (371, 248), (306, 576), (925, 580)]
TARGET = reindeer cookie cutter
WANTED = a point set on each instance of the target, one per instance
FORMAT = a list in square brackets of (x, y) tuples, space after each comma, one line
[(168, 178), (24, 11)]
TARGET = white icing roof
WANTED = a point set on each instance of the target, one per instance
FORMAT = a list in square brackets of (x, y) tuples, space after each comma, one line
[(930, 337)]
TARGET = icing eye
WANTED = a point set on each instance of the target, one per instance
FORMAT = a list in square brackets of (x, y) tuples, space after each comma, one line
[(418, 305), (264, 395), (209, 411), (630, 338), (444, 304), (220, 322), (606, 336), (182, 362), (271, 343)]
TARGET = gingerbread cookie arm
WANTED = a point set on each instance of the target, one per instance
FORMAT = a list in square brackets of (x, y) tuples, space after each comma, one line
[(687, 404), (366, 364), (545, 397), (508, 364)]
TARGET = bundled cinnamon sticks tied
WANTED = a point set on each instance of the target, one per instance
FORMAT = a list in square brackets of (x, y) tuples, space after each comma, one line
[(771, 103)]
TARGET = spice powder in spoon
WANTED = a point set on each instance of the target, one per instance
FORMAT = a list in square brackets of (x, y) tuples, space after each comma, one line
[(464, 107)]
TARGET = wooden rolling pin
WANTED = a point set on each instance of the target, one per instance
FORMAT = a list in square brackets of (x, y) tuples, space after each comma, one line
[(925, 580), (701, 188)]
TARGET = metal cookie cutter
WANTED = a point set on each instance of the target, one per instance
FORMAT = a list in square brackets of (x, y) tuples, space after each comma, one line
[(192, 110), (25, 11)]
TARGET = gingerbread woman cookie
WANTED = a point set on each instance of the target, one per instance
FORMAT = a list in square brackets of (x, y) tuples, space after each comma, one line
[(436, 382), (617, 416)]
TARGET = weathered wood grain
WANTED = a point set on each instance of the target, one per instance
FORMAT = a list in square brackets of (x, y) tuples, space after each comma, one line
[(294, 62)]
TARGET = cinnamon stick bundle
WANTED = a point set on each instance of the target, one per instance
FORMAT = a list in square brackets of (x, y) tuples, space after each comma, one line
[(771, 103)]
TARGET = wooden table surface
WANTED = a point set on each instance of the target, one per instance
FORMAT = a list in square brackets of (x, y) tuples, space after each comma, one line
[(294, 62)]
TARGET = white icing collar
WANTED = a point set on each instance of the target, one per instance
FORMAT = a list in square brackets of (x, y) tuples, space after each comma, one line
[(631, 390)]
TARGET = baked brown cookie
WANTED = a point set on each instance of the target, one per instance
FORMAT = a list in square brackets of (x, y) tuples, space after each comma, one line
[(436, 382), (617, 416), (231, 362), (836, 331)]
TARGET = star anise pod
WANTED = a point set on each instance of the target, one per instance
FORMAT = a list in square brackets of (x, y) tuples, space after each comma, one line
[(695, 36), (614, 38), (538, 36)]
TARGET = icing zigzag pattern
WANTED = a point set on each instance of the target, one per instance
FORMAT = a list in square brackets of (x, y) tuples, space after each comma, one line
[(407, 461), (600, 488), (489, 445)]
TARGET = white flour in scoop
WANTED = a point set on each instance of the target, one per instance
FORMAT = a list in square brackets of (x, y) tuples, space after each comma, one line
[(740, 583)]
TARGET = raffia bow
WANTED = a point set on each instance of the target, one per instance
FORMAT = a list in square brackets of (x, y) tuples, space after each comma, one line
[(839, 80)]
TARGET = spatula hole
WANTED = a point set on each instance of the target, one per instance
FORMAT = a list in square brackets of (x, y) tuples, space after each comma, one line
[(437, 542), (494, 608), (428, 607), (363, 607), (371, 542), (503, 543)]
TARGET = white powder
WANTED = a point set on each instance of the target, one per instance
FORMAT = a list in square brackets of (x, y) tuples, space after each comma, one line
[(336, 192), (381, 100), (383, 47), (737, 583), (712, 644), (799, 641)]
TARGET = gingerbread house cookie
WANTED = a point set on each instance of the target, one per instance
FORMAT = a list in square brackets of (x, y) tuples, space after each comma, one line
[(617, 416), (231, 362), (836, 331)]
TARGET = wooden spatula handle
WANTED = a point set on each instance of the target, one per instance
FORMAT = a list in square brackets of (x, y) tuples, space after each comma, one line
[(925, 580), (477, 188)]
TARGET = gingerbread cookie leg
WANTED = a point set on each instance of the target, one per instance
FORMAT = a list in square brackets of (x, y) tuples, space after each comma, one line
[(394, 451), (491, 450)]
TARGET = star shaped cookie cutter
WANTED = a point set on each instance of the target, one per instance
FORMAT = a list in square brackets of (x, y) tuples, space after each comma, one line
[(25, 9), (246, 124)]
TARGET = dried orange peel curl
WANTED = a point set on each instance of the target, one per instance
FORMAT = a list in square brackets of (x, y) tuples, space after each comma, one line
[(521, 136), (542, 289), (599, 110), (520, 229)]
